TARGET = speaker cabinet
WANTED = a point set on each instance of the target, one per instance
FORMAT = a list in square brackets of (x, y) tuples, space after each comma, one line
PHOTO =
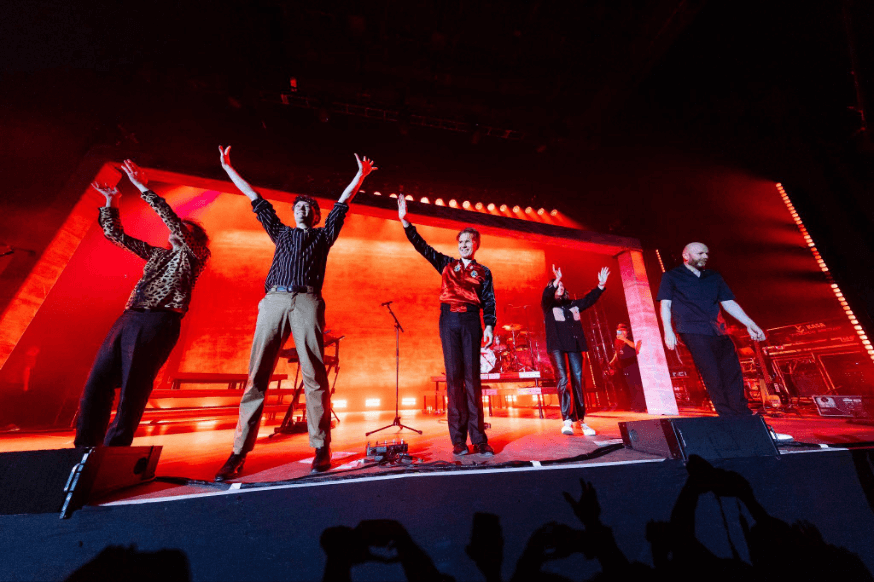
[(64, 480), (710, 438)]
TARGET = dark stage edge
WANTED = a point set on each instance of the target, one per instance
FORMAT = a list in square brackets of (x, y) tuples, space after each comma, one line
[(274, 533)]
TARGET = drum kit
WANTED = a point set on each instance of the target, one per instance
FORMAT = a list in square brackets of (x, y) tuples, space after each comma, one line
[(511, 351)]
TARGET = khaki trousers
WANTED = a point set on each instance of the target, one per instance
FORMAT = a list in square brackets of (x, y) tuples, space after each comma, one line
[(279, 314)]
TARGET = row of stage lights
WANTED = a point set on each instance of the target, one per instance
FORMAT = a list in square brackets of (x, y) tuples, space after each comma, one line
[(860, 331), (480, 207)]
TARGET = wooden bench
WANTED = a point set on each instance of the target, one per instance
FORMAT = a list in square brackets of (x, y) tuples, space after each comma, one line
[(175, 403), (234, 381)]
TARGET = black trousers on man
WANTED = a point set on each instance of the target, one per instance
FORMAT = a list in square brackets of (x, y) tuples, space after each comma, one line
[(461, 335), (130, 357), (717, 362), (573, 403)]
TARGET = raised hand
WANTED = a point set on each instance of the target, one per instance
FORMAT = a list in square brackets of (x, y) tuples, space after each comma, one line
[(557, 274), (587, 509), (225, 156), (111, 193), (365, 165), (602, 277), (135, 174), (402, 209)]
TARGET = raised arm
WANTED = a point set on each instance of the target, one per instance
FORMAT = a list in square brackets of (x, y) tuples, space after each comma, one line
[(595, 294), (437, 260), (547, 301), (168, 216), (242, 185), (110, 221), (365, 166), (735, 311)]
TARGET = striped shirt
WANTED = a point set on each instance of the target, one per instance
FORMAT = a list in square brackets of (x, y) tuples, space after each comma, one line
[(301, 254)]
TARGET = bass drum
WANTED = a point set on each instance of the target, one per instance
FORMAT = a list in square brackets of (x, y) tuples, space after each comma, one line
[(487, 360)]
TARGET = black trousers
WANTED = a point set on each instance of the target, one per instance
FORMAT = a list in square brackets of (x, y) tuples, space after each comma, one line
[(573, 403), (461, 336), (717, 362), (634, 383), (130, 357)]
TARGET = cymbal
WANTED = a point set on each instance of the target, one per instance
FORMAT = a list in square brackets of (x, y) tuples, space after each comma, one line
[(512, 327)]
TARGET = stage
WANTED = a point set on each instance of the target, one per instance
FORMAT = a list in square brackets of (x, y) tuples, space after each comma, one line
[(442, 516)]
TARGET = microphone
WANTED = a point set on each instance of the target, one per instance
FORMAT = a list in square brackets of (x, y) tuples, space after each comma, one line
[(386, 304)]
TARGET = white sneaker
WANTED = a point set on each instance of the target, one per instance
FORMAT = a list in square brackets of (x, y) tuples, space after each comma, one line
[(568, 427), (587, 430)]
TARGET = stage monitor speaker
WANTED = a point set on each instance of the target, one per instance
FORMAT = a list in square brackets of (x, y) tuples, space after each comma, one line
[(64, 480), (710, 438)]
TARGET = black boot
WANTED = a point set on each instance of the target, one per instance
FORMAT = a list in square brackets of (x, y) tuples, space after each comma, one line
[(322, 460), (232, 467)]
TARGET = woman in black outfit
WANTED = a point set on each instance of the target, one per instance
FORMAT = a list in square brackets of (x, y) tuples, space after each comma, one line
[(566, 344), (626, 357)]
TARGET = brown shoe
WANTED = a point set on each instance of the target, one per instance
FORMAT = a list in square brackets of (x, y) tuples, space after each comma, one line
[(459, 450), (232, 467), (322, 460)]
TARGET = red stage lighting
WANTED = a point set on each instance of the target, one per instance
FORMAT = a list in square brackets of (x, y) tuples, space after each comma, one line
[(439, 202), (466, 205), (425, 200), (453, 203)]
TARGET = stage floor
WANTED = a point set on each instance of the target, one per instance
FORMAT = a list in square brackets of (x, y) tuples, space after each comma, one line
[(193, 451)]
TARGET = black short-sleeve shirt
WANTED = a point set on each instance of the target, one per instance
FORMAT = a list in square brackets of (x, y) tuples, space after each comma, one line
[(695, 300)]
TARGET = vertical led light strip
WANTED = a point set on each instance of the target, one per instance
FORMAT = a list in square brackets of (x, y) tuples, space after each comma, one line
[(819, 261), (661, 263)]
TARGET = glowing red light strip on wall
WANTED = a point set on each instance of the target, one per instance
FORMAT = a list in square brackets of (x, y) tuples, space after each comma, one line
[(821, 262)]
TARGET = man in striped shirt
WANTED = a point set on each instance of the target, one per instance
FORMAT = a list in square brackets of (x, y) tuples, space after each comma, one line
[(293, 305)]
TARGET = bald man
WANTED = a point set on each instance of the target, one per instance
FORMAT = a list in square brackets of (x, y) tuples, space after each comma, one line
[(691, 297)]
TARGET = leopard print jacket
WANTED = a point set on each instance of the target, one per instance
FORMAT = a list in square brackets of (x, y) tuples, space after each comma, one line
[(169, 275)]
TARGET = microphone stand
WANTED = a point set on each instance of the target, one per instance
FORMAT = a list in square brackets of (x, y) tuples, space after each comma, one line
[(397, 420)]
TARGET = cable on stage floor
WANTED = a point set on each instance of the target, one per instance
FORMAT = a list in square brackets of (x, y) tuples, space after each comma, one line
[(432, 467)]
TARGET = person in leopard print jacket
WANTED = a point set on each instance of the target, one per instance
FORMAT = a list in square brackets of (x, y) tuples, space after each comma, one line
[(143, 336)]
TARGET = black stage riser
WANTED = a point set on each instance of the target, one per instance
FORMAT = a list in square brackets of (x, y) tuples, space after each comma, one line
[(274, 534)]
